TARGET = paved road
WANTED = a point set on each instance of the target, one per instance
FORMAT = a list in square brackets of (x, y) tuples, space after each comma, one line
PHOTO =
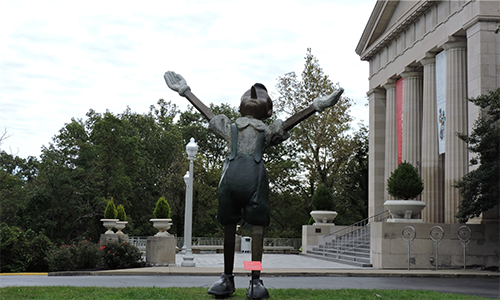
[(486, 287)]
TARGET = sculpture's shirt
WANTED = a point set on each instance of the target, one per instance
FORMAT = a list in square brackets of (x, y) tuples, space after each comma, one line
[(248, 131)]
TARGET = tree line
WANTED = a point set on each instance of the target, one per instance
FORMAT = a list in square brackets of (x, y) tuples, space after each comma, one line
[(138, 158)]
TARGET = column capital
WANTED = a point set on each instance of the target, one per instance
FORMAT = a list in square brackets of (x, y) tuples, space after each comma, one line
[(408, 73), (427, 61), (375, 91), (454, 43), (391, 84)]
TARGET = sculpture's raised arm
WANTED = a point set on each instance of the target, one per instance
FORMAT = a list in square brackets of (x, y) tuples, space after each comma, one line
[(177, 83), (319, 104)]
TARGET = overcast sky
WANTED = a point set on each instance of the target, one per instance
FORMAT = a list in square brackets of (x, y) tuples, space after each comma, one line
[(58, 59)]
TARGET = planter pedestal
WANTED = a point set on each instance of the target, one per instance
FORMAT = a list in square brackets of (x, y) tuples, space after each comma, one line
[(160, 250)]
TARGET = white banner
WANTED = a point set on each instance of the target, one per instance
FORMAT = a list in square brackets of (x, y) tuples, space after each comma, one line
[(441, 98)]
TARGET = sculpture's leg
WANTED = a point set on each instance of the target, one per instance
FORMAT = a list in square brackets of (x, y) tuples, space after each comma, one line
[(225, 285), (229, 248), (259, 290), (257, 247)]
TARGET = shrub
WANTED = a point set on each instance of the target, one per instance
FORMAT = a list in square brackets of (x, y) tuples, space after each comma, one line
[(405, 182), (120, 213), (120, 255), (22, 251), (322, 199), (162, 209), (85, 255), (110, 211), (39, 245), (61, 259)]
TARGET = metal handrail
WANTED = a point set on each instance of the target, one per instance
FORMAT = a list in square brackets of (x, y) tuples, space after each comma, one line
[(352, 236)]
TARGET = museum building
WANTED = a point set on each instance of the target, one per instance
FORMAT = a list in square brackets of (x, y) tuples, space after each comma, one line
[(425, 59)]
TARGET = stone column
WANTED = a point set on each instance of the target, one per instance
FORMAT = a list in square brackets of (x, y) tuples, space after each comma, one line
[(433, 192), (376, 186), (412, 117), (391, 148), (456, 156)]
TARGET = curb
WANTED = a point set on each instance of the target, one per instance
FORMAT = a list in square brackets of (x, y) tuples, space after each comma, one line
[(178, 271)]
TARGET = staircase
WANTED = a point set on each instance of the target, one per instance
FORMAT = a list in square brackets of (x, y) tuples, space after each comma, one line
[(350, 245)]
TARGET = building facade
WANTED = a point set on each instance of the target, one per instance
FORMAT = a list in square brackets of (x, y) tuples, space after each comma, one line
[(425, 59)]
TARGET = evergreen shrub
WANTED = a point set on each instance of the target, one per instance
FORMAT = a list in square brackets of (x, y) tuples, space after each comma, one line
[(120, 213), (322, 199), (405, 182), (110, 211), (162, 209)]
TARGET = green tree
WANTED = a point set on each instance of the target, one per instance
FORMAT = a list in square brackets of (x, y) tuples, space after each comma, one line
[(480, 187), (133, 157), (405, 182), (322, 143), (16, 176), (351, 203)]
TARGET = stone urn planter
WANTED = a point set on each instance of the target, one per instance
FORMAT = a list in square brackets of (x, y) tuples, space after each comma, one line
[(109, 224), (405, 183), (323, 216), (399, 208), (119, 226), (162, 225)]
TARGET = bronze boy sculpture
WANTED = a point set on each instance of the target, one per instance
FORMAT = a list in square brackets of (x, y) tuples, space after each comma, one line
[(244, 186)]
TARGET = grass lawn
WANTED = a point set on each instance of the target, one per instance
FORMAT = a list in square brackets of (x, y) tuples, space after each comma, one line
[(52, 292)]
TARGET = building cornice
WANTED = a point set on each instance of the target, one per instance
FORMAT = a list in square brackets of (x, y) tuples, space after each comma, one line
[(366, 51)]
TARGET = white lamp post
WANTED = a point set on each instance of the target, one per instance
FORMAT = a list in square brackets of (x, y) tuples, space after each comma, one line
[(186, 180), (191, 149)]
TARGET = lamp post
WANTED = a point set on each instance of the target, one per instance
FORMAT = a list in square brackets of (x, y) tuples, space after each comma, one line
[(186, 180), (191, 149)]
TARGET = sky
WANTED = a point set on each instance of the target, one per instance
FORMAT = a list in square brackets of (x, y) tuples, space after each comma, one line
[(59, 59)]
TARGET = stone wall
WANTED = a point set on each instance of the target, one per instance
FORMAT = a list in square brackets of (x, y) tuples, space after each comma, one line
[(388, 249)]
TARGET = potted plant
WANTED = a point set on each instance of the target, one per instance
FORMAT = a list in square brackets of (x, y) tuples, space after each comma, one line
[(162, 217), (323, 204), (405, 183), (110, 219), (122, 217)]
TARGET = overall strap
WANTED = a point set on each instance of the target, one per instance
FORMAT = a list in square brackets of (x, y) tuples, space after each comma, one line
[(259, 149), (234, 141)]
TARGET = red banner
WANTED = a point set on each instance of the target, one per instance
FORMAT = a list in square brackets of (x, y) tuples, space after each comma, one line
[(399, 118)]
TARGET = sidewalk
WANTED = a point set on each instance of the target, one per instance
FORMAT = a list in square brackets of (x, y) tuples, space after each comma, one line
[(284, 265)]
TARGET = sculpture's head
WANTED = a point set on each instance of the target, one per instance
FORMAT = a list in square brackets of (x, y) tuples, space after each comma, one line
[(256, 103)]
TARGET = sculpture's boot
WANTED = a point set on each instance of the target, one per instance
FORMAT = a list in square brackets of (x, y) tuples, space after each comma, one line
[(259, 290), (223, 287)]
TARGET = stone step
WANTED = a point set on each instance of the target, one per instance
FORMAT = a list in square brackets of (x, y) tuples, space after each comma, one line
[(352, 252), (358, 262)]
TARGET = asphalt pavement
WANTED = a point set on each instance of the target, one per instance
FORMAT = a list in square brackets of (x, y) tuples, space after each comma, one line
[(279, 271)]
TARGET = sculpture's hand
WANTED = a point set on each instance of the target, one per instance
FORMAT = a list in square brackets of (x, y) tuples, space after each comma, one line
[(321, 103), (176, 82)]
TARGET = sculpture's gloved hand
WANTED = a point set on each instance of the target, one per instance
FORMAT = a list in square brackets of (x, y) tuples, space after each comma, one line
[(176, 82), (321, 103)]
